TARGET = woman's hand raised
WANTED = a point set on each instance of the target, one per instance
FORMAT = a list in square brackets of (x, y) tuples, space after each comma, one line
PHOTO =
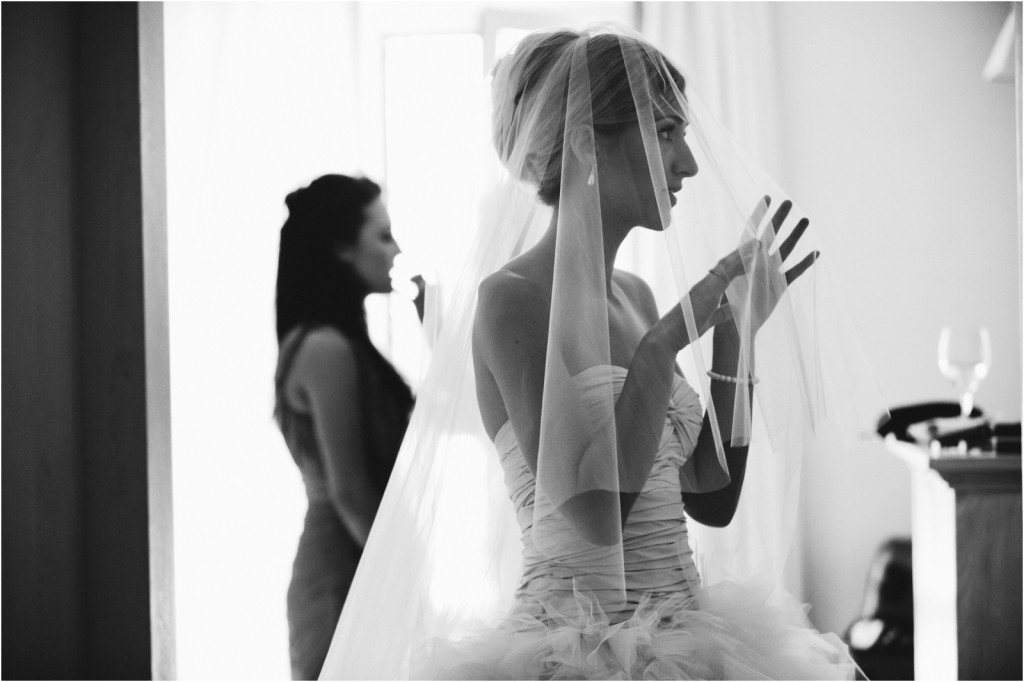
[(754, 274)]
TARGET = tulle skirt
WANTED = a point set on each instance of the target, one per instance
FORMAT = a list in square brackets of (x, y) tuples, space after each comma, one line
[(727, 632)]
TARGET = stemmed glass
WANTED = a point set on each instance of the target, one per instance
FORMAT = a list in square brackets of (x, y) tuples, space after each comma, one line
[(965, 355)]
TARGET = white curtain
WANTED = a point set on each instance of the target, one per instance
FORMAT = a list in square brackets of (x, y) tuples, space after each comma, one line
[(727, 52)]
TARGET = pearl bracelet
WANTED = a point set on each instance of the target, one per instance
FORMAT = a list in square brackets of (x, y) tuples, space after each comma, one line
[(732, 380)]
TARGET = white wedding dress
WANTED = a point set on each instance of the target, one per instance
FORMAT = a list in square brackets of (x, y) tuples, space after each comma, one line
[(670, 628), (440, 591)]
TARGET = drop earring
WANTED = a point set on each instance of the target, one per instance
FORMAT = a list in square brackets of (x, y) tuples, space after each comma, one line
[(593, 171)]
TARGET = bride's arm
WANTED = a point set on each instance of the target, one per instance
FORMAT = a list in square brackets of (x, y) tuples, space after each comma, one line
[(719, 492), (716, 493), (643, 403), (510, 329)]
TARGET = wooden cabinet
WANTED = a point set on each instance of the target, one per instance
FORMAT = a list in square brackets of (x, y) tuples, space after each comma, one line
[(967, 564)]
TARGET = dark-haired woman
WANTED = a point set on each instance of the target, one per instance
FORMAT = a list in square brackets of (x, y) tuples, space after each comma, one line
[(341, 406)]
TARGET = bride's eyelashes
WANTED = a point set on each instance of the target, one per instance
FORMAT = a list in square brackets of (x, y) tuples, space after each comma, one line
[(671, 129)]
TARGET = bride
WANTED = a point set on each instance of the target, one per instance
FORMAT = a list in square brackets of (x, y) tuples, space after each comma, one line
[(607, 452)]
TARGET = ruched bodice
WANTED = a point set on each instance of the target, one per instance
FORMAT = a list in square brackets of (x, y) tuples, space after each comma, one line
[(656, 554)]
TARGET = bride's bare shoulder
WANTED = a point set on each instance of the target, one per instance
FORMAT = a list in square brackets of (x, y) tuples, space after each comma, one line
[(510, 288), (638, 292), (511, 310)]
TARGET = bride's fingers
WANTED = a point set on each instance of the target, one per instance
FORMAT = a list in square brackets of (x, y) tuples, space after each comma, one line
[(790, 242), (780, 217), (758, 214), (781, 214), (802, 266)]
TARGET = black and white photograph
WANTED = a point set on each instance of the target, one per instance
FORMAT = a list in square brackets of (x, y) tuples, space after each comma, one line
[(512, 340)]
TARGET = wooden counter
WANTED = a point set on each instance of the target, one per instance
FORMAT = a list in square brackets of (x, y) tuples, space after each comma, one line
[(967, 563)]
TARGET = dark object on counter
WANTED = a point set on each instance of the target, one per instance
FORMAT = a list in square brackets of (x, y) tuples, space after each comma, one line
[(900, 419), (1006, 438), (940, 421), (882, 640)]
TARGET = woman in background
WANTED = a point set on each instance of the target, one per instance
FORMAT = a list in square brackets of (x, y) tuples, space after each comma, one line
[(341, 406)]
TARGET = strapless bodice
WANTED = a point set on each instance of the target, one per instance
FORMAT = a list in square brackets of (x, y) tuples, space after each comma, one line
[(655, 553)]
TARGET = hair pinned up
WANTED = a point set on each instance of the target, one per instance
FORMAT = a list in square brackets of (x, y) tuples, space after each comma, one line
[(530, 93)]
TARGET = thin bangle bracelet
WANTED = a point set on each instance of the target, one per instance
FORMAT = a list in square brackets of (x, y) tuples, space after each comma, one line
[(733, 380)]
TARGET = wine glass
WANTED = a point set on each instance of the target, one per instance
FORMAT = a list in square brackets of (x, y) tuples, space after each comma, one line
[(965, 355)]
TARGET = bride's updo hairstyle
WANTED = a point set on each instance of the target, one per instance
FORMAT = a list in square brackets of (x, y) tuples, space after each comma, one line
[(530, 90)]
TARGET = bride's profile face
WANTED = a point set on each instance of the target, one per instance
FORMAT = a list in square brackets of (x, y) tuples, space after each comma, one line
[(629, 188)]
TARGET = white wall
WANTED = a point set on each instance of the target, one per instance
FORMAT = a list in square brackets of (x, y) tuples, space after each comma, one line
[(905, 159)]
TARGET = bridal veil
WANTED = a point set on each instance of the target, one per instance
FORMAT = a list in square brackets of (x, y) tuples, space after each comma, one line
[(442, 559)]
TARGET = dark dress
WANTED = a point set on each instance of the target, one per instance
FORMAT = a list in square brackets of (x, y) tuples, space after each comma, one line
[(328, 555)]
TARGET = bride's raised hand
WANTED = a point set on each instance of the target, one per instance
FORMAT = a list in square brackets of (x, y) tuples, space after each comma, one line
[(755, 273)]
